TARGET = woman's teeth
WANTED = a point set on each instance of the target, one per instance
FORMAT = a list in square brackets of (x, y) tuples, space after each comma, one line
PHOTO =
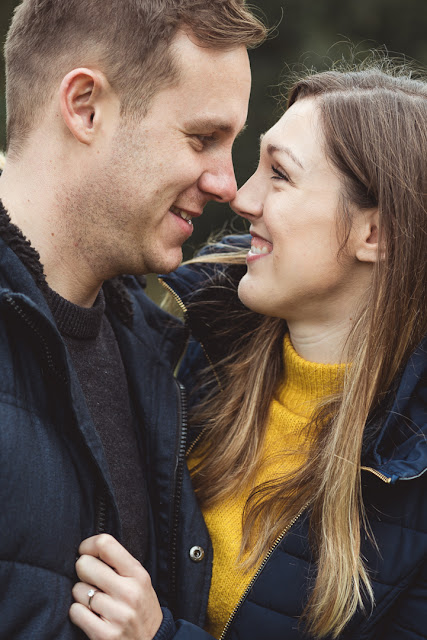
[(259, 250), (182, 214)]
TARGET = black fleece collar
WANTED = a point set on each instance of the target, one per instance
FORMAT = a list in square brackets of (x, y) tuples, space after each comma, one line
[(115, 291)]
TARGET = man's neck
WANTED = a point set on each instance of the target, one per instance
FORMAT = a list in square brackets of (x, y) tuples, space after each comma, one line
[(31, 202)]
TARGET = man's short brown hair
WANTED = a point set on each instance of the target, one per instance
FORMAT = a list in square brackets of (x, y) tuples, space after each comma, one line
[(129, 40)]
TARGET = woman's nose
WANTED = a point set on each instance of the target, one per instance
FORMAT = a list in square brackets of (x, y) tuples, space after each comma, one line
[(248, 202)]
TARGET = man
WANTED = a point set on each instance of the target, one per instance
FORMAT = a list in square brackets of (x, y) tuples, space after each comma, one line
[(121, 120)]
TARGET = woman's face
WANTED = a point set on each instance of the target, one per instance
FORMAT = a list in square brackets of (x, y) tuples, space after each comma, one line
[(292, 201)]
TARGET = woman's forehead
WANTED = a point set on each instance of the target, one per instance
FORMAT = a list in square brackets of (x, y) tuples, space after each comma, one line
[(297, 134)]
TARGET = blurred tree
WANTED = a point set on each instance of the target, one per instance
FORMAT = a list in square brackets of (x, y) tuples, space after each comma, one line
[(307, 31)]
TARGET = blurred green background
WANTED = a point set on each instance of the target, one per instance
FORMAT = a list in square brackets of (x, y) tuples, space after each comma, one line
[(309, 32)]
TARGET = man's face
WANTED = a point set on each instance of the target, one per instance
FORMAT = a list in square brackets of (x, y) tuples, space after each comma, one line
[(161, 172)]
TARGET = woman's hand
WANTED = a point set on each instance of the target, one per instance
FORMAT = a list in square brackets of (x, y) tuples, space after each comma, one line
[(125, 605)]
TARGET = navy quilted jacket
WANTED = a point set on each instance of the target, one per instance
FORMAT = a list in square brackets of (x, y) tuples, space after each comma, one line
[(55, 488), (395, 496)]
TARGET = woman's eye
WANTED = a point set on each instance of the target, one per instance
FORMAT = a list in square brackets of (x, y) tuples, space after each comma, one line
[(279, 174)]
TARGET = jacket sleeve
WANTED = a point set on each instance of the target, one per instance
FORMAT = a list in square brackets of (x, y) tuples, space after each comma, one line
[(179, 630), (408, 617)]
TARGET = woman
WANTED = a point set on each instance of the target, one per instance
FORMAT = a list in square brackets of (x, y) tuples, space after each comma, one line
[(309, 467)]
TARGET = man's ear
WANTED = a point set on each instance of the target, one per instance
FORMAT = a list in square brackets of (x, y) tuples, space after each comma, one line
[(81, 94), (368, 247)]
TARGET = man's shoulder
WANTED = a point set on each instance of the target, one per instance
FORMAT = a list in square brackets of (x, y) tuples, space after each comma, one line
[(127, 298), (139, 321)]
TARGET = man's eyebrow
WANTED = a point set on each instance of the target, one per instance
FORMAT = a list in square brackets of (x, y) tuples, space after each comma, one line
[(208, 124), (272, 148)]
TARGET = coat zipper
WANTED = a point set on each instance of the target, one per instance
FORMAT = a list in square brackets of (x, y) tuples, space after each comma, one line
[(101, 515), (274, 546), (32, 325), (387, 479), (176, 498), (184, 309), (195, 442), (278, 540), (175, 296), (101, 500), (259, 570), (383, 477)]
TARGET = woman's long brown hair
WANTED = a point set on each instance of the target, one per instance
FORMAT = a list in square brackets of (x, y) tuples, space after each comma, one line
[(375, 126)]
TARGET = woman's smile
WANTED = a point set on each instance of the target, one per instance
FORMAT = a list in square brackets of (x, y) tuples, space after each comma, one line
[(259, 247)]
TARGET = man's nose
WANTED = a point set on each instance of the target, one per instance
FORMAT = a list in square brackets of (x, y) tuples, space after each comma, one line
[(220, 184)]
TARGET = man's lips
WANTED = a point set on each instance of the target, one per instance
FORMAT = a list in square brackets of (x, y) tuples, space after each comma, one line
[(185, 214), (259, 245)]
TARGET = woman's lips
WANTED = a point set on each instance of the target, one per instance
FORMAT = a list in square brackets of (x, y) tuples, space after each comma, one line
[(260, 246)]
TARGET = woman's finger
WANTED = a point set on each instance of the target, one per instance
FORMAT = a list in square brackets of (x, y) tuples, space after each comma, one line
[(119, 620), (128, 602), (93, 626), (135, 592), (99, 602), (95, 572), (110, 551)]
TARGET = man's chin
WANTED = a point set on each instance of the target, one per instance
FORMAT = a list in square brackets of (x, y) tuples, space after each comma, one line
[(167, 266)]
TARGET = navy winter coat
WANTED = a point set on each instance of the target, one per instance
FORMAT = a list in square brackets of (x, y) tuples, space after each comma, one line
[(55, 488), (394, 490)]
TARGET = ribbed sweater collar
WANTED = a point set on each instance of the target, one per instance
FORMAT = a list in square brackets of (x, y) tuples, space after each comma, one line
[(74, 321), (306, 383)]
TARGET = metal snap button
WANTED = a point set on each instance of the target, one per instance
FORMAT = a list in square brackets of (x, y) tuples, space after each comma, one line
[(197, 554)]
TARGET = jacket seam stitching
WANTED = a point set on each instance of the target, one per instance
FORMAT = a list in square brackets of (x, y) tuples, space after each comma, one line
[(36, 566), (273, 609), (12, 401), (400, 526), (406, 628)]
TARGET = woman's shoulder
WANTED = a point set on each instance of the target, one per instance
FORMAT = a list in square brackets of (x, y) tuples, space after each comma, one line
[(399, 449)]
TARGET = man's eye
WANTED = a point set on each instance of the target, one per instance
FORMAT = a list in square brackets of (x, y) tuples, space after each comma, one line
[(279, 174), (205, 139)]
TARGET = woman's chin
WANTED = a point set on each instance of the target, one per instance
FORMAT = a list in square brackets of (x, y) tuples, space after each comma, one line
[(249, 295)]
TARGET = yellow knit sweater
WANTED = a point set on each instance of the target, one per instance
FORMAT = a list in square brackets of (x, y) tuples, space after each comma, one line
[(305, 383)]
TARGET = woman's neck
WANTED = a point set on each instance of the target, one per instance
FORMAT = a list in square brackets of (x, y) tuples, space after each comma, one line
[(325, 343)]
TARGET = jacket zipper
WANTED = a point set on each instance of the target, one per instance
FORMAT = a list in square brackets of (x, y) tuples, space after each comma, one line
[(383, 477), (101, 501), (101, 516), (176, 498), (175, 296), (387, 479), (259, 570), (184, 309), (195, 442), (278, 540), (275, 544), (32, 325)]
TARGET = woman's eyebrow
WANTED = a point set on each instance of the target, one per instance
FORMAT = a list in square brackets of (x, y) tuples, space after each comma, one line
[(272, 148)]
